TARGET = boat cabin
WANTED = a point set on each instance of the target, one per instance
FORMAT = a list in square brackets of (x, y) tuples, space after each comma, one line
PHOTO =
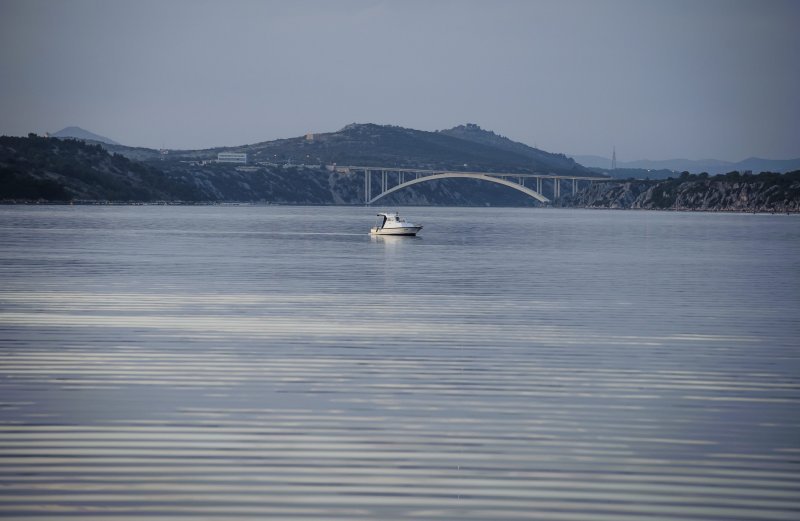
[(391, 217)]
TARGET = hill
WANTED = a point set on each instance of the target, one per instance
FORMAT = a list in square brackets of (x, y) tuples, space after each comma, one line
[(387, 145), (82, 134), (545, 161), (52, 169)]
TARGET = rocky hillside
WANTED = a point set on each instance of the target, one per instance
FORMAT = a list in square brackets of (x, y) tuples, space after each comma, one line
[(50, 169), (766, 192)]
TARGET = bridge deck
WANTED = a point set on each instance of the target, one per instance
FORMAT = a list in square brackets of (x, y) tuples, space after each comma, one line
[(346, 169)]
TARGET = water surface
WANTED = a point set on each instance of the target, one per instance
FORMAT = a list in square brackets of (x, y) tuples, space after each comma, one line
[(255, 362)]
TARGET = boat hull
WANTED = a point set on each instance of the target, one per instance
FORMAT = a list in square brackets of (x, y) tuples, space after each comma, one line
[(405, 230)]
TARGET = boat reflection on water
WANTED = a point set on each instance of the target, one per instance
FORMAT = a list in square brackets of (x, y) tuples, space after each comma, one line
[(394, 239)]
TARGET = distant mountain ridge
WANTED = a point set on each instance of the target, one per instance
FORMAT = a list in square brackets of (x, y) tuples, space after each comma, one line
[(82, 134), (711, 166)]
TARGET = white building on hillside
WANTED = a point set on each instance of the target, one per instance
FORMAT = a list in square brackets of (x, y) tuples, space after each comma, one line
[(231, 157)]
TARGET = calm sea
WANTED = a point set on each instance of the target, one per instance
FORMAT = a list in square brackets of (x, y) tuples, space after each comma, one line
[(278, 362)]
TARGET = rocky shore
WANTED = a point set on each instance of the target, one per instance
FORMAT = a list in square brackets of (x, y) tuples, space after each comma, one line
[(733, 192)]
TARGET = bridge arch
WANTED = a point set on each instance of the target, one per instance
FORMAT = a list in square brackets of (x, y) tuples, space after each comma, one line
[(468, 175)]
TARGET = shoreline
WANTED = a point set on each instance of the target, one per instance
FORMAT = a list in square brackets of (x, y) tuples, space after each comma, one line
[(252, 203)]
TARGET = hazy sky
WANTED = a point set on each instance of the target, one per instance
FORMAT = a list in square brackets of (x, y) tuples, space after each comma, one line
[(659, 79)]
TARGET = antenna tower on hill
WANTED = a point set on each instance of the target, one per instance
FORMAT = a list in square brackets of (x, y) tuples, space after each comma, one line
[(614, 159)]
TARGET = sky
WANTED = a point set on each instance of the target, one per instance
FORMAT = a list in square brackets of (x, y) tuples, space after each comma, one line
[(657, 79)]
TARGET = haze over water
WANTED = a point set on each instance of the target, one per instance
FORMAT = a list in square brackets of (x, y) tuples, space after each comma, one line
[(260, 361)]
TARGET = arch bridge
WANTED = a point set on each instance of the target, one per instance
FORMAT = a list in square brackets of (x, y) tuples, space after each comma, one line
[(394, 179)]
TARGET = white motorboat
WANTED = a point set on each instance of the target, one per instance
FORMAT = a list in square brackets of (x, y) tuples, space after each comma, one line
[(393, 224)]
